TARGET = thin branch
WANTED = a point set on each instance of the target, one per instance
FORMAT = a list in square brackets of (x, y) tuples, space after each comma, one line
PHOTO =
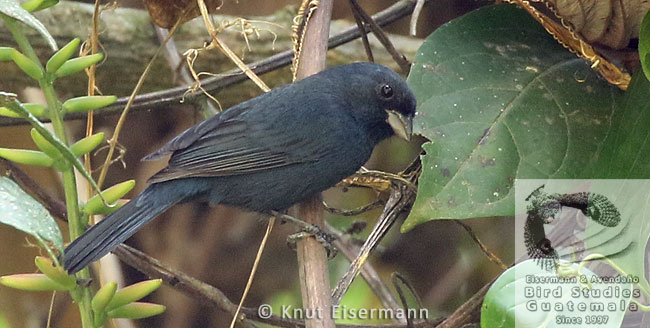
[(403, 63), (364, 33), (187, 284), (172, 96), (396, 278), (354, 212), (345, 243), (312, 258), (469, 312), (414, 18), (181, 74), (129, 104), (484, 249), (194, 287)]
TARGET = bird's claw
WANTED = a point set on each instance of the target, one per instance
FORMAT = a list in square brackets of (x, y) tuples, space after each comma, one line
[(308, 230), (324, 238)]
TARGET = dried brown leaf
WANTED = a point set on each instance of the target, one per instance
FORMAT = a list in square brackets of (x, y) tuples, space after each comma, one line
[(611, 23), (615, 36)]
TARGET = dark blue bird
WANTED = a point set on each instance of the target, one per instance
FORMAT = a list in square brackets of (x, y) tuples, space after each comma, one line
[(267, 153)]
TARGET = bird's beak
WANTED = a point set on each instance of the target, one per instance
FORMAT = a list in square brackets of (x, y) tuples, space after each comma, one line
[(401, 124)]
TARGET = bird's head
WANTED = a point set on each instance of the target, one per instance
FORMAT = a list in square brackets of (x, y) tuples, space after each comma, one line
[(380, 99)]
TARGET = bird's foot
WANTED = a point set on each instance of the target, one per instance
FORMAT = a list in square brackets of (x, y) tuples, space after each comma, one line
[(308, 230), (324, 238)]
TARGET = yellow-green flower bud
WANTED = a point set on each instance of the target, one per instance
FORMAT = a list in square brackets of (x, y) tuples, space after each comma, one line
[(87, 144), (105, 210), (35, 109), (111, 195), (86, 103), (99, 319), (55, 273), (62, 56), (36, 5), (27, 65), (5, 53), (24, 156), (103, 296), (78, 64), (31, 282), (137, 310), (45, 145), (133, 293), (4, 111)]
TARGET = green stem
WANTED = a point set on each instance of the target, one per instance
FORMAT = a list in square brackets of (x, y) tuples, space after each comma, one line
[(76, 226)]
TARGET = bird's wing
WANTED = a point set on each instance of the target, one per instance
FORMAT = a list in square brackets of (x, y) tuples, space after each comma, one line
[(188, 137), (231, 147)]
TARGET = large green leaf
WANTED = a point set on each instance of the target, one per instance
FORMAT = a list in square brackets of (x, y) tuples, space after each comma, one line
[(500, 99), (21, 211), (644, 44), (626, 151), (13, 9), (626, 155), (510, 302)]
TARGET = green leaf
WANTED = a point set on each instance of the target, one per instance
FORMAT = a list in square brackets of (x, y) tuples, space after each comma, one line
[(506, 304), (644, 45), (13, 9), (21, 211), (500, 99)]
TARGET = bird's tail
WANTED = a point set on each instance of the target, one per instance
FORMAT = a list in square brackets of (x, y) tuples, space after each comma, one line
[(114, 229)]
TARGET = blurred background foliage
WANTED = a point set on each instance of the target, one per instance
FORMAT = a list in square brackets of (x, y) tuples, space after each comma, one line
[(218, 245)]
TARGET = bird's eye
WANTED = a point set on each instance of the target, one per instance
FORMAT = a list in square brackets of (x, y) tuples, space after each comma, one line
[(386, 91)]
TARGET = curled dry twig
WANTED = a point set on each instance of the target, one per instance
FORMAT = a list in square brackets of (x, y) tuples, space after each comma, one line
[(482, 246)]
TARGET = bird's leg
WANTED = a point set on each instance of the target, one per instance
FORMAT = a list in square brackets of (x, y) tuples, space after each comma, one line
[(308, 230)]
